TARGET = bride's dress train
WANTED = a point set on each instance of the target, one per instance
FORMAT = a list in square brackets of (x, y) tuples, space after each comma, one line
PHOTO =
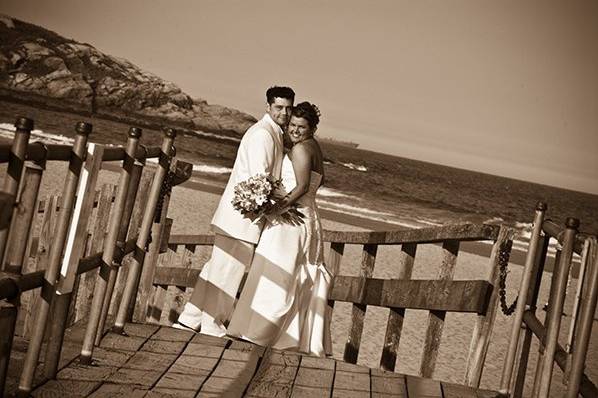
[(284, 301)]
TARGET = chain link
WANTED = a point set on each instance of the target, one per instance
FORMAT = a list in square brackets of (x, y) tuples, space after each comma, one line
[(503, 262), (165, 189)]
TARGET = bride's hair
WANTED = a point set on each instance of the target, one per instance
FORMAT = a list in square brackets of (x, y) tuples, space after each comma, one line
[(309, 112)]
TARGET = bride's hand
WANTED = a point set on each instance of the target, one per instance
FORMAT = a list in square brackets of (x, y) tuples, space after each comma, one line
[(279, 194)]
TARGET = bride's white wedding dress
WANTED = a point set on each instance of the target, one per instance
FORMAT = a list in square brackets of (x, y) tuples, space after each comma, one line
[(283, 302)]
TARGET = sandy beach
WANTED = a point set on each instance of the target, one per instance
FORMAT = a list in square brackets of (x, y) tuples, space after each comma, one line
[(191, 208), (191, 211)]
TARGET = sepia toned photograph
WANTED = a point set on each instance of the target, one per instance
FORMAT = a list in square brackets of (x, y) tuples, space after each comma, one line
[(299, 199)]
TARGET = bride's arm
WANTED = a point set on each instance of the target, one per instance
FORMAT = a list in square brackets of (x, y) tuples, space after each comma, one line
[(302, 159)]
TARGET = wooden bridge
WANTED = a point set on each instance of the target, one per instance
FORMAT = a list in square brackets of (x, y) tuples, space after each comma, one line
[(154, 361), (72, 333)]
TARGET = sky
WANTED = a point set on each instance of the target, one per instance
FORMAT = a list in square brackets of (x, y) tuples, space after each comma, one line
[(502, 87)]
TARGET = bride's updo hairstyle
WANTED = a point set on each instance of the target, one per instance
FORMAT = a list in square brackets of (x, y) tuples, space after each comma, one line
[(309, 112)]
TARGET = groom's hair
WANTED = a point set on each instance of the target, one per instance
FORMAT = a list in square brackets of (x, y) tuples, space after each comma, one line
[(280, 92)]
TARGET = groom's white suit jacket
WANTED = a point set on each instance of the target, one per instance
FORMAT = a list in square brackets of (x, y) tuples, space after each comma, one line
[(260, 151)]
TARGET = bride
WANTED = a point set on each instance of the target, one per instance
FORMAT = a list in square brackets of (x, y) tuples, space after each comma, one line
[(284, 300)]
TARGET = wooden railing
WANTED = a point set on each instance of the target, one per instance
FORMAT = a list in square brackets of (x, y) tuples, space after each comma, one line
[(571, 359), (158, 277), (64, 249), (171, 277)]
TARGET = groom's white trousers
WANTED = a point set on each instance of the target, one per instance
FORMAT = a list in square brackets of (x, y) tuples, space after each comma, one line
[(211, 303)]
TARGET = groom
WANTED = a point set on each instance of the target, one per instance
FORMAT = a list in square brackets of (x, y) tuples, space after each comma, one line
[(260, 152)]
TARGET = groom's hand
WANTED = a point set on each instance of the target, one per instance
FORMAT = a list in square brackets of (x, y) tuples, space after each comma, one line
[(287, 214), (293, 216)]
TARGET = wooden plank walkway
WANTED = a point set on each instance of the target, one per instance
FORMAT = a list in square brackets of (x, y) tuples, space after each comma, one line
[(159, 361)]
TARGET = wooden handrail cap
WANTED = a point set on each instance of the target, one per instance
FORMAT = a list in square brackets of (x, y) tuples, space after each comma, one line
[(169, 132), (24, 123), (83, 128), (572, 223), (135, 132)]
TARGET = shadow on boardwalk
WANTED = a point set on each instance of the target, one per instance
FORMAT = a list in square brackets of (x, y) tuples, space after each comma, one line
[(154, 361)]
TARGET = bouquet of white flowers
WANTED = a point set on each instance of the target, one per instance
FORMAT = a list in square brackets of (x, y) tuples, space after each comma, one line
[(254, 196)]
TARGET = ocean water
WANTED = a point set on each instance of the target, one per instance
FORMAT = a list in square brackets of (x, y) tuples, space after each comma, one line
[(403, 193)]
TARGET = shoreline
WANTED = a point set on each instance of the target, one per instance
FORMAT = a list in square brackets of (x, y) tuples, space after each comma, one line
[(477, 248)]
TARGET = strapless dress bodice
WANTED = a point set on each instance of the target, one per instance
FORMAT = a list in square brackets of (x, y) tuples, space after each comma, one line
[(289, 182)]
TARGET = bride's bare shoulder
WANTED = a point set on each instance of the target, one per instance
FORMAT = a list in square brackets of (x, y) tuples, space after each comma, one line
[(310, 146), (300, 148)]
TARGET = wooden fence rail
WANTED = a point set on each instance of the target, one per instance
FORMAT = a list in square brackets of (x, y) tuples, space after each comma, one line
[(125, 228), (172, 284), (175, 272), (44, 152)]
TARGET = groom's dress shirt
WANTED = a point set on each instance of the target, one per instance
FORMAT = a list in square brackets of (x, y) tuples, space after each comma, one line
[(260, 152)]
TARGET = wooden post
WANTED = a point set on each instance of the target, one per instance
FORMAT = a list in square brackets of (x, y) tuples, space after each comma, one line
[(75, 249), (40, 261), (144, 185), (98, 235), (542, 343), (335, 257), (134, 180), (358, 311), (483, 325), (16, 162), (74, 299), (138, 308), (532, 302), (106, 267), (147, 292), (178, 300), (68, 199), (135, 267), (586, 318), (150, 261), (436, 318), (22, 220), (8, 309), (394, 326), (526, 280), (8, 316), (555, 307), (154, 310)]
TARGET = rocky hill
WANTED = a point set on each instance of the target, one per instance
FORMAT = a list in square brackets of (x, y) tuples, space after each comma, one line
[(41, 67)]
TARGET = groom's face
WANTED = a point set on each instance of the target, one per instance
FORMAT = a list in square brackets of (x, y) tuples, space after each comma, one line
[(280, 110)]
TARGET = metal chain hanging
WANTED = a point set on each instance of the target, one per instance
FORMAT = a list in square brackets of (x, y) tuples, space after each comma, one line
[(503, 262), (165, 189)]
